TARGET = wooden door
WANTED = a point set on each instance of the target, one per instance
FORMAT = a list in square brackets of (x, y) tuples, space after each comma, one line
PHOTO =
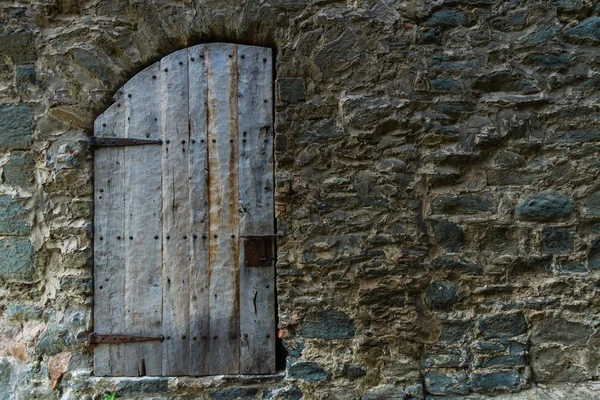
[(170, 217)]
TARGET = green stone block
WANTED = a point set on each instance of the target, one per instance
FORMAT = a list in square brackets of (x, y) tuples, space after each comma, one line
[(16, 259), (18, 171), (12, 216), (16, 126)]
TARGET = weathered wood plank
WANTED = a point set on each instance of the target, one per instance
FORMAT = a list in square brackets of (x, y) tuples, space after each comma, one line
[(257, 284), (108, 242), (175, 213), (143, 226), (199, 280), (223, 208)]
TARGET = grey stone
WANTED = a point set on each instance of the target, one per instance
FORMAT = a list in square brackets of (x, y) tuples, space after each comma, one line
[(12, 216), (505, 361), (441, 295), (23, 313), (18, 171), (495, 381), (6, 388), (461, 204), (512, 21), (540, 36), (285, 393), (19, 47), (560, 331), (594, 255), (52, 341), (572, 267), (386, 392), (545, 207), (449, 235), (588, 29), (328, 325), (456, 331), (445, 85), (557, 240), (449, 18), (508, 159), (291, 90), (552, 364), (25, 75), (96, 65), (233, 393), (307, 371), (16, 126), (318, 131), (146, 385), (574, 136), (16, 259), (512, 177), (450, 358), (442, 383), (337, 54), (502, 325), (503, 81), (555, 61), (488, 347), (593, 203)]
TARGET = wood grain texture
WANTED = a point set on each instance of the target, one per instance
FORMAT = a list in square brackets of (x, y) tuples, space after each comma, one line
[(176, 210), (257, 284), (223, 208), (199, 346), (143, 204), (109, 273)]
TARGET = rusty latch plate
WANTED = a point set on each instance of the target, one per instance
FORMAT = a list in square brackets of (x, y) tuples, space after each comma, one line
[(97, 338), (115, 142), (258, 251)]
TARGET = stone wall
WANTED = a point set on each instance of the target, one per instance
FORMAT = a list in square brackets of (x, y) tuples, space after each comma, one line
[(437, 171)]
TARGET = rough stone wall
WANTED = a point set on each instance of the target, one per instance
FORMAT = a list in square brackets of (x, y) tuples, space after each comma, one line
[(437, 169)]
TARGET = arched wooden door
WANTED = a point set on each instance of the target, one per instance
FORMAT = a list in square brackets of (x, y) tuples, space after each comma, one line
[(183, 170)]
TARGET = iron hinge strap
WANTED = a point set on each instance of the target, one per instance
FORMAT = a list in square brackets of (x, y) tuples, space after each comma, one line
[(116, 142), (97, 338)]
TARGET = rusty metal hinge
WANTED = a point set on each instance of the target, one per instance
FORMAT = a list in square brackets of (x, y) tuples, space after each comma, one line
[(97, 338), (115, 142), (258, 250)]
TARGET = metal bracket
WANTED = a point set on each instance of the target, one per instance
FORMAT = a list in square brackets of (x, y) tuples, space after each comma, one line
[(258, 250), (96, 338), (116, 142)]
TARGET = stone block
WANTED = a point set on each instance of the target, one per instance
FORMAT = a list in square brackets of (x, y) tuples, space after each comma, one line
[(445, 85), (24, 75), (557, 240), (572, 267), (386, 392), (574, 136), (52, 341), (545, 207), (22, 313), (512, 177), (456, 331), (307, 371), (594, 255), (505, 361), (16, 126), (554, 61), (451, 358), (488, 347), (449, 235), (586, 30), (502, 326), (511, 21), (320, 130), (19, 47), (561, 331), (456, 265), (94, 64), (145, 385), (490, 382), (284, 393), (328, 325), (442, 383), (441, 295), (16, 259), (461, 204), (291, 90), (508, 159), (503, 81), (449, 18), (18, 171), (239, 393), (12, 216), (553, 364)]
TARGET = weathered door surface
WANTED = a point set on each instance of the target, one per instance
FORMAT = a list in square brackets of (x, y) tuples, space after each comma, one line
[(170, 217)]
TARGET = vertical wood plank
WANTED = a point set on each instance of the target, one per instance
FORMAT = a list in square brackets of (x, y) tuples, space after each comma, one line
[(199, 281), (223, 208), (257, 284), (176, 221), (143, 226), (108, 242)]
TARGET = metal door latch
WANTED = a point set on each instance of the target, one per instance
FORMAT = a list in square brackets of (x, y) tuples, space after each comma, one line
[(97, 338), (258, 250)]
